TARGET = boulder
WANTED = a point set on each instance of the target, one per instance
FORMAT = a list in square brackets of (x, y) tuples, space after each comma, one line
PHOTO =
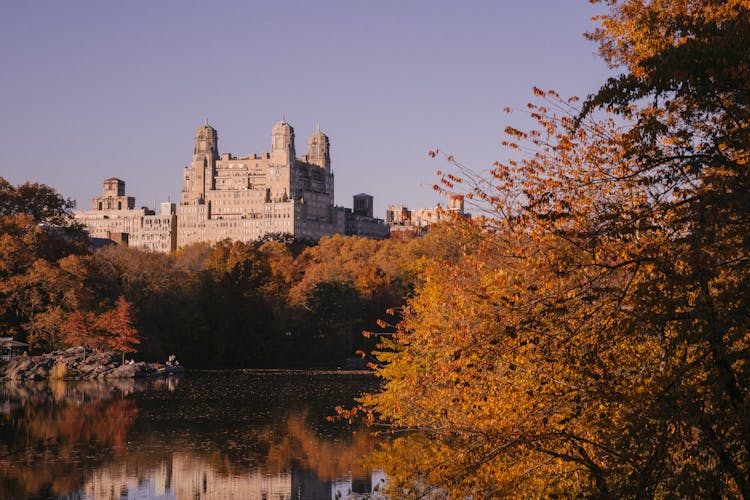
[(82, 364), (122, 371)]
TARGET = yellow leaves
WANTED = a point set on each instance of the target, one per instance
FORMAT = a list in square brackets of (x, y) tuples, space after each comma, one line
[(584, 319), (634, 31)]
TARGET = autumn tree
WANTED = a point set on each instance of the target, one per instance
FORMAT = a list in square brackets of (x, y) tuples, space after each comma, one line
[(118, 324), (81, 328), (342, 285), (595, 340), (39, 201), (36, 229), (111, 329)]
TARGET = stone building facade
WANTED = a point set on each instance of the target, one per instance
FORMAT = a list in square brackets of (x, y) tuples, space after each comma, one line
[(113, 216), (158, 231), (400, 218), (237, 198), (245, 198)]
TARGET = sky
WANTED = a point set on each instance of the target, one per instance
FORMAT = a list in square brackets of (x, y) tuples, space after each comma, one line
[(91, 90)]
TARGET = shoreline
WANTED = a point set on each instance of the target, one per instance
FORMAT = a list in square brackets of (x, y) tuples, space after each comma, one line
[(77, 363)]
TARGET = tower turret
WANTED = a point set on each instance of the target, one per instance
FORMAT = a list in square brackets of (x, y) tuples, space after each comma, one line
[(318, 150), (282, 143), (199, 176), (206, 141)]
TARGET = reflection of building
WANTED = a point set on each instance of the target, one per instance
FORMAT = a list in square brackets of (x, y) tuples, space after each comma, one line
[(360, 220), (245, 198), (187, 476), (400, 218), (370, 487), (113, 216)]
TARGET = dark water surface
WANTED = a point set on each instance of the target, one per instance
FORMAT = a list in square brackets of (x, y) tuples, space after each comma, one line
[(212, 435)]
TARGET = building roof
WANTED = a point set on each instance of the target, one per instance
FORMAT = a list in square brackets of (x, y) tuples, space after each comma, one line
[(282, 124), (318, 133), (206, 125)]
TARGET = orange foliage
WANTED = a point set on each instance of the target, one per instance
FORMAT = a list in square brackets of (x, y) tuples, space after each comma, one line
[(111, 329), (594, 340)]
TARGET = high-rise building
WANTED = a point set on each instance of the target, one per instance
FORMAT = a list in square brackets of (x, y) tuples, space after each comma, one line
[(237, 198), (245, 198)]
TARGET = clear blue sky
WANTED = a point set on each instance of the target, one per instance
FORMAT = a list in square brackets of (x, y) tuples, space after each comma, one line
[(92, 89)]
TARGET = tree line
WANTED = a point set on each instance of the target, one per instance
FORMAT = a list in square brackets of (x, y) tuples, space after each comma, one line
[(271, 303)]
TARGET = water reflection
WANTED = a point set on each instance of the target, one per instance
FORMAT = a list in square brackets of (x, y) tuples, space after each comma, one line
[(218, 435)]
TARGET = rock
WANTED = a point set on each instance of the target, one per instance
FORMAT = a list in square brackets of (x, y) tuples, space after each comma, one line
[(81, 364), (142, 370), (123, 371)]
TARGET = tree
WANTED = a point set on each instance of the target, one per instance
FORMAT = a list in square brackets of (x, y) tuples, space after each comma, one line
[(113, 329), (334, 310), (595, 341), (119, 322), (36, 230), (82, 328), (39, 201)]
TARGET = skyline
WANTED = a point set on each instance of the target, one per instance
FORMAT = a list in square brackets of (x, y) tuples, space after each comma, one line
[(104, 90)]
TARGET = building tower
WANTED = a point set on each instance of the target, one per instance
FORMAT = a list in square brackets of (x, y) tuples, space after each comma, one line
[(282, 162), (363, 205), (245, 198), (113, 196), (282, 144), (199, 175), (318, 150), (318, 154)]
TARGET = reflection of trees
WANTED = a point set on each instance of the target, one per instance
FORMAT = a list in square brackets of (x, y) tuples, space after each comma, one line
[(252, 460), (61, 437), (329, 458), (294, 442), (53, 433)]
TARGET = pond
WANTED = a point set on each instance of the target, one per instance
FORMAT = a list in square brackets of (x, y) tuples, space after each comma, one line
[(231, 434)]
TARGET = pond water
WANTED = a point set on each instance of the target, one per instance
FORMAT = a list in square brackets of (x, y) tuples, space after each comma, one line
[(212, 435)]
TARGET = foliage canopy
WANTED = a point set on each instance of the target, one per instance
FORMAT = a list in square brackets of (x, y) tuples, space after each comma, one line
[(594, 341)]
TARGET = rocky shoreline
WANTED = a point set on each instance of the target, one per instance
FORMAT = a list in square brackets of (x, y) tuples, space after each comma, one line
[(77, 364)]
